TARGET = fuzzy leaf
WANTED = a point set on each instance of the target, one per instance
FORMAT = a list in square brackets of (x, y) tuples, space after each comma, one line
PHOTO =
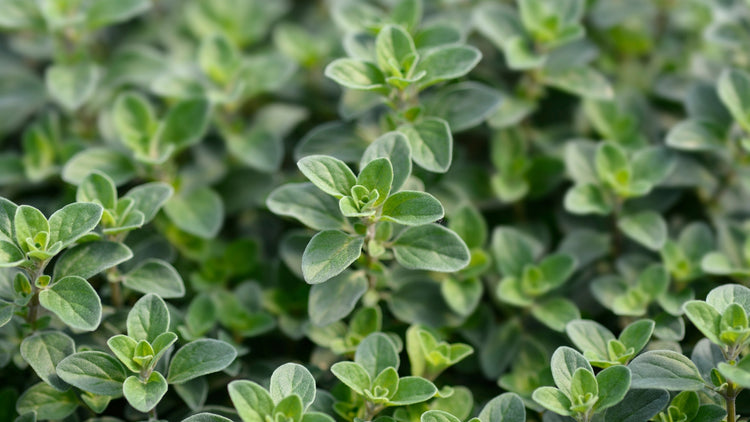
[(328, 254)]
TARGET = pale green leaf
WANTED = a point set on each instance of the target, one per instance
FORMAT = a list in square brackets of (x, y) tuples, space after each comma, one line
[(412, 208), (74, 301), (95, 372), (43, 351), (328, 254), (155, 276), (198, 358), (431, 247)]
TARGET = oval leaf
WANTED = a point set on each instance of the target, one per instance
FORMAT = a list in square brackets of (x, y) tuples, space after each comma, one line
[(74, 301)]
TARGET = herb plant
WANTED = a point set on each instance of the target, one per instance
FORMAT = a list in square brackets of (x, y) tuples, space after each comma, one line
[(374, 210)]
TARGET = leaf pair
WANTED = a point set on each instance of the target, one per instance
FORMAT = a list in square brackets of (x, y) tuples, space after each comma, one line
[(138, 352), (398, 64), (599, 345), (374, 375), (579, 391), (291, 393), (153, 140)]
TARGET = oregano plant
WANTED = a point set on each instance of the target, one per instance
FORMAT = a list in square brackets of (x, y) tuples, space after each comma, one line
[(374, 210)]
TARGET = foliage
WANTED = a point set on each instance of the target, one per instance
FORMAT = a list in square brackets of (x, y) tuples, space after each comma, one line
[(374, 210)]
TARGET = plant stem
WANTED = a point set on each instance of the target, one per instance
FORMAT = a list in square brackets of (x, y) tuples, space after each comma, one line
[(371, 409), (152, 414), (33, 313), (113, 276), (730, 398), (616, 234)]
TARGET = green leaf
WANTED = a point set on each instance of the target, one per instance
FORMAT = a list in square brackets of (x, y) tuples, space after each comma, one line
[(148, 318), (115, 164), (613, 383), (557, 268), (734, 90), (99, 188), (74, 301), (647, 228), (155, 276), (665, 369), (184, 125), (412, 208), (73, 221), (353, 375), (7, 310), (89, 259), (565, 361), (395, 51), (431, 144), (72, 85), (355, 74), (307, 204), (438, 416), (135, 123), (95, 372), (654, 281), (585, 81), (199, 212), (395, 147), (612, 164), (512, 250), (206, 417), (328, 254), (637, 406), (738, 373), (412, 390), (464, 105), (107, 12), (289, 408), (377, 175), (144, 396), (470, 225), (553, 399), (462, 296), (335, 299), (587, 198), (198, 358), (253, 403), (589, 337), (431, 247), (583, 384), (407, 13), (257, 147), (10, 255), (637, 334), (7, 215), (46, 402), (705, 318), (651, 165), (375, 353), (697, 135), (448, 62), (149, 198), (555, 312), (124, 348), (43, 351), (720, 264), (723, 296), (292, 378), (507, 407), (218, 58), (329, 174), (27, 223)]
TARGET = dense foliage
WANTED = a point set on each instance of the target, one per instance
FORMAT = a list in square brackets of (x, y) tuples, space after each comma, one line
[(388, 210)]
